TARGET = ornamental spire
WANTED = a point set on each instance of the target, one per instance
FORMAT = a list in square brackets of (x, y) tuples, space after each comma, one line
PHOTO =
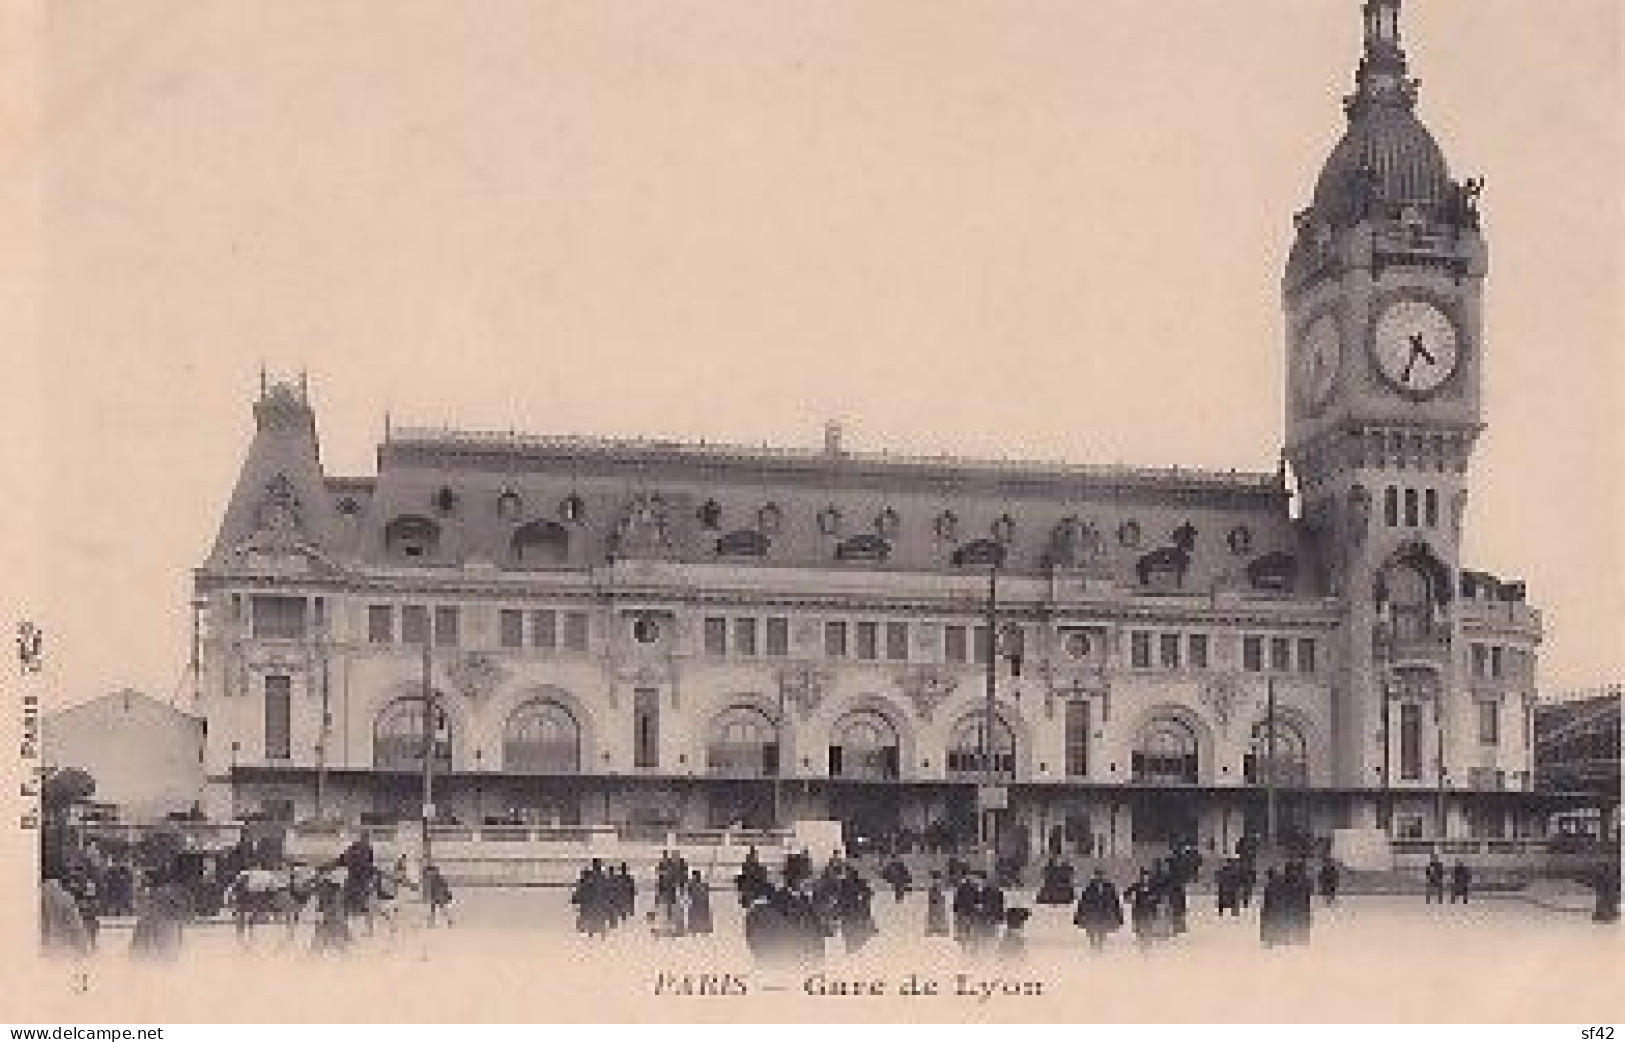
[(1381, 78)]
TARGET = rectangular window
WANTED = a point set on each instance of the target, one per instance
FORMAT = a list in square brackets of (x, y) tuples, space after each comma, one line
[(1410, 508), (1280, 654), (1198, 650), (645, 729), (1139, 650), (716, 636), (278, 716), (1409, 826), (1495, 660), (544, 629), (1077, 739), (445, 627), (835, 639), (1410, 741), (897, 641), (953, 644), (1252, 654), (1390, 506), (778, 637), (380, 623), (1168, 648), (981, 647), (511, 628), (279, 618), (414, 624), (575, 631), (1430, 508), (1481, 658), (868, 641), (745, 637), (1306, 655), (1489, 723)]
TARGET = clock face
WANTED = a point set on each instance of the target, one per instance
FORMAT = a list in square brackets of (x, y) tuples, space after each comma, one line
[(1416, 346), (1320, 352)]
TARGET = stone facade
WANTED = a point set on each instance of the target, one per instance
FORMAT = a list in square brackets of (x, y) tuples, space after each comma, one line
[(664, 635)]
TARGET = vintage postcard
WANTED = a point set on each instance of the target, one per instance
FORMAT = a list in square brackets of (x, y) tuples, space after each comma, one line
[(759, 511)]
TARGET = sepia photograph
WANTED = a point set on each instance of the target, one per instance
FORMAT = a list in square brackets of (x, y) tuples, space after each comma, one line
[(1040, 511)]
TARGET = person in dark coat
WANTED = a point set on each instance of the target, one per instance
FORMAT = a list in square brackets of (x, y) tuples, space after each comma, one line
[(808, 927), (1058, 883), (1271, 910), (1328, 881), (332, 917), (987, 913), (439, 891), (626, 894), (1605, 882), (1435, 880), (965, 911), (752, 881), (896, 874), (699, 904), (1227, 884), (589, 898), (1012, 945), (162, 914), (1461, 882), (1142, 898), (854, 911), (768, 926), (1174, 900), (936, 908), (1299, 893), (1100, 910)]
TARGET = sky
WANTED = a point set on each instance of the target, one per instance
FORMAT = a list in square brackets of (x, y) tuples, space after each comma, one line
[(1045, 229)]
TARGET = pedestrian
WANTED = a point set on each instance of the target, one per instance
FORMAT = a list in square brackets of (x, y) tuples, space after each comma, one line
[(987, 913), (588, 898), (1141, 896), (897, 875), (1461, 881), (1227, 885), (965, 911), (854, 911), (1299, 901), (699, 904), (1013, 942), (1328, 881), (1100, 910), (1057, 883), (162, 913), (439, 894), (1606, 884), (1271, 910), (1435, 880), (332, 914), (936, 908), (62, 928)]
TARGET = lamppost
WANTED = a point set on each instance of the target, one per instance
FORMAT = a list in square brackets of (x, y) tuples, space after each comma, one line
[(236, 747), (196, 665), (429, 735), (778, 762), (1271, 811), (988, 553), (327, 716)]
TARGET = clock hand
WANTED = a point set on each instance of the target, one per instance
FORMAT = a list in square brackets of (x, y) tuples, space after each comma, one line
[(1418, 349)]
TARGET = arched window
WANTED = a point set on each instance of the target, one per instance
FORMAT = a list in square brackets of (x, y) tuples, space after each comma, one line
[(1390, 506), (542, 737), (966, 746), (1410, 600), (1290, 765), (1166, 753), (397, 737), (540, 542), (864, 746), (743, 743), (1430, 507), (411, 537)]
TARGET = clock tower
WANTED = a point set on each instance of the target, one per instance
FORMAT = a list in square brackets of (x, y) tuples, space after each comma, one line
[(1382, 296)]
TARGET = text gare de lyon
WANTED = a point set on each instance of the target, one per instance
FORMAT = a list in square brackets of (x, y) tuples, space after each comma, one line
[(821, 985)]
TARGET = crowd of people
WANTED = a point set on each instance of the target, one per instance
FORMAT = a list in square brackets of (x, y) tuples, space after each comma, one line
[(170, 884)]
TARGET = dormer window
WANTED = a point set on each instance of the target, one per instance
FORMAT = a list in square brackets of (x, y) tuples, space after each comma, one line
[(411, 537), (540, 543), (829, 520), (445, 501), (947, 526), (710, 515), (887, 523), (509, 505), (770, 519)]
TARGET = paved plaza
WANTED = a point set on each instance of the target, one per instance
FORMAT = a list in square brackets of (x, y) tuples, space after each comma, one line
[(513, 954)]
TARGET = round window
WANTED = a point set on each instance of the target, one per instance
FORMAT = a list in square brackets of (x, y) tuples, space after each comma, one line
[(1077, 644), (646, 629)]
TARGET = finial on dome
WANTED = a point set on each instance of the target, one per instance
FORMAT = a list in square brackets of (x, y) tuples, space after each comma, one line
[(1381, 77)]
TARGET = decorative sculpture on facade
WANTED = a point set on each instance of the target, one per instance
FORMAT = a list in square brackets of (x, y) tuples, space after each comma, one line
[(1220, 695), (927, 687), (804, 686), (643, 528), (475, 674)]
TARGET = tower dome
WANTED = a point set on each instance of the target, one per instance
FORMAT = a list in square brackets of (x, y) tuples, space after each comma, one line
[(1387, 162)]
